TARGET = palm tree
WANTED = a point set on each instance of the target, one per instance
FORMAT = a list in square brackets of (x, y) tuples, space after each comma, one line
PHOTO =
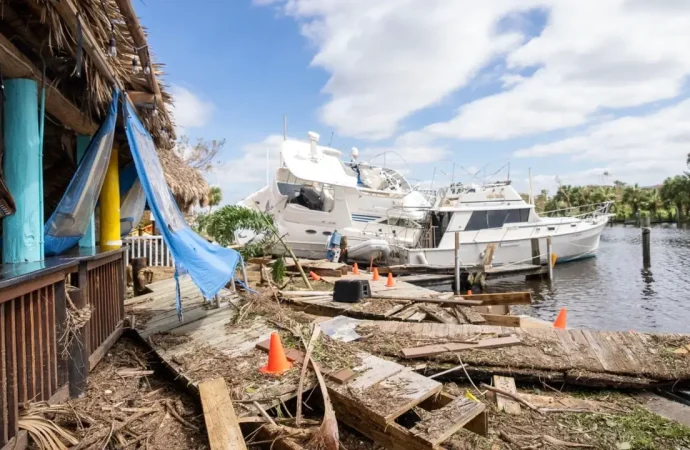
[(654, 203), (632, 195), (215, 196)]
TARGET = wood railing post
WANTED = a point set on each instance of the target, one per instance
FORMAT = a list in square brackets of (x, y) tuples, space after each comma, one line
[(60, 327), (78, 364), (84, 287)]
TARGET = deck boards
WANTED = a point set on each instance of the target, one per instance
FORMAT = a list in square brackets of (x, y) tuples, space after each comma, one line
[(609, 358), (207, 344)]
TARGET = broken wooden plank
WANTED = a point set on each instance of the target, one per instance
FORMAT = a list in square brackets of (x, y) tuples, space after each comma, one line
[(417, 299), (222, 426), (504, 298), (405, 313), (437, 349), (502, 320), (394, 310), (408, 389), (417, 317), (471, 315), (438, 313), (504, 403), (442, 423), (372, 370)]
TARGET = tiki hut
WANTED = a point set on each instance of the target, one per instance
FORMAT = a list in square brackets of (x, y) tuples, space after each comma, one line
[(80, 49), (77, 81)]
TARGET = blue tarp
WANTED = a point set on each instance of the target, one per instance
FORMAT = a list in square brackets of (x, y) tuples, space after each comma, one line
[(210, 266), (71, 218)]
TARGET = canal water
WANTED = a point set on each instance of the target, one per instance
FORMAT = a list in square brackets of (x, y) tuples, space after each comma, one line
[(612, 291)]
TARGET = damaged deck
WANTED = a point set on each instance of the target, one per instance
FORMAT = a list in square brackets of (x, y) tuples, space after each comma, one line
[(208, 344), (578, 357)]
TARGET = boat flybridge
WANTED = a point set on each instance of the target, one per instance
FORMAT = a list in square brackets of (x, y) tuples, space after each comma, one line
[(315, 193), (496, 213)]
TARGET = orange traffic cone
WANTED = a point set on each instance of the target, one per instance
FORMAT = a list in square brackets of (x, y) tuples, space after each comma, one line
[(561, 319), (390, 282), (314, 276), (277, 361), (355, 269), (376, 274)]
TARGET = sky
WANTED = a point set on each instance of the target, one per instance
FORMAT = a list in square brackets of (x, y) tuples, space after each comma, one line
[(577, 91)]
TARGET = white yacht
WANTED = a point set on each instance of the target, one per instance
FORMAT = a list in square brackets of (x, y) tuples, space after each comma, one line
[(315, 193), (496, 213)]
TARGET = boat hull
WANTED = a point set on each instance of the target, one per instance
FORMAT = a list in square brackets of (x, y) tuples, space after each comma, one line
[(516, 249)]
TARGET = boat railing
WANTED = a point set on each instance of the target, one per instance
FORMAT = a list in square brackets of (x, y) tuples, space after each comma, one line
[(592, 210)]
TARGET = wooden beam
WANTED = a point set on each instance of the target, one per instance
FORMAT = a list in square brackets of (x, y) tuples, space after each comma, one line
[(14, 64), (69, 12), (139, 38), (140, 98), (504, 298), (222, 426)]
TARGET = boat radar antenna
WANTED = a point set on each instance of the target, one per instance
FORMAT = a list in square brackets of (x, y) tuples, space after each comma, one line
[(313, 139), (354, 153)]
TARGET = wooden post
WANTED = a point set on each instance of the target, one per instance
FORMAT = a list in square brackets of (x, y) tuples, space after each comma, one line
[(78, 364), (549, 256), (646, 242), (536, 254), (457, 263), (89, 239), (110, 206), (23, 231), (138, 279)]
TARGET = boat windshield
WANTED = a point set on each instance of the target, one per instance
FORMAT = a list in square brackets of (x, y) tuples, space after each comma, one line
[(496, 218), (379, 178)]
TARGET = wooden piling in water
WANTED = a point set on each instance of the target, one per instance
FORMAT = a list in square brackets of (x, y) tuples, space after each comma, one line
[(549, 256), (457, 263), (646, 243)]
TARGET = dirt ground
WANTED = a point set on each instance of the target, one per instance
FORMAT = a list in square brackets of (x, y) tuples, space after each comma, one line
[(158, 414)]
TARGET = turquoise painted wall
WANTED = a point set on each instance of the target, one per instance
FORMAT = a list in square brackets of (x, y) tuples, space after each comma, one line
[(89, 239), (22, 232)]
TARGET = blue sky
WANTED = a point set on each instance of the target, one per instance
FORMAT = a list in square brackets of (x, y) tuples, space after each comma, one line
[(570, 89)]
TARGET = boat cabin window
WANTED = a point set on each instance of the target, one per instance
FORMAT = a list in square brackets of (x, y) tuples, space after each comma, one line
[(480, 220), (400, 222), (313, 198)]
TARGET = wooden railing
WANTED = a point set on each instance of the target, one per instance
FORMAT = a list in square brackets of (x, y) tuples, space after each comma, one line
[(104, 289), (33, 309), (32, 315), (153, 248)]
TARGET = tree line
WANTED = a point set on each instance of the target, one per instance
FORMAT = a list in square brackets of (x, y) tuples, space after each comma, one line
[(669, 201)]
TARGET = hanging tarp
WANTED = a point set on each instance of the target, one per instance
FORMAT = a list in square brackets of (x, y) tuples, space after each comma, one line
[(71, 218), (132, 208), (210, 266)]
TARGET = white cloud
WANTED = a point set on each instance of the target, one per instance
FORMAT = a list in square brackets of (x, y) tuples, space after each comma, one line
[(389, 58), (241, 176), (188, 110), (643, 149), (592, 55)]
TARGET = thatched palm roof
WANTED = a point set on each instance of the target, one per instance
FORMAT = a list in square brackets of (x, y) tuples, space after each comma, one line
[(72, 36)]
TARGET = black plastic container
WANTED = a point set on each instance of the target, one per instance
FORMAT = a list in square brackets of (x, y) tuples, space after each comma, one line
[(351, 291)]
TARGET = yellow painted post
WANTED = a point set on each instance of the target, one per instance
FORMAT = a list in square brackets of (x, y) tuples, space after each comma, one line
[(110, 206)]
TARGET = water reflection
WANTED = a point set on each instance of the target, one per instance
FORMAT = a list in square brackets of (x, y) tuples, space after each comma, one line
[(613, 291)]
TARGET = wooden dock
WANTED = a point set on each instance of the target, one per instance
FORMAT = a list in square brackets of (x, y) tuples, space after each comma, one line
[(208, 344), (578, 357), (401, 302)]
